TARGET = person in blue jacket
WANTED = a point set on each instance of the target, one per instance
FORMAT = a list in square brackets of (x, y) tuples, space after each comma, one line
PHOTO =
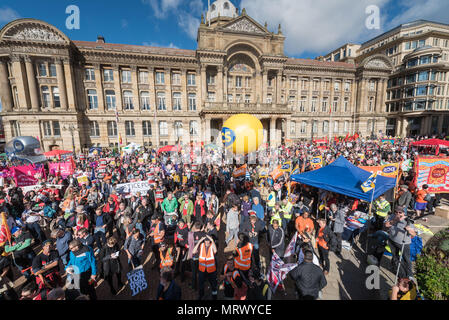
[(83, 268)]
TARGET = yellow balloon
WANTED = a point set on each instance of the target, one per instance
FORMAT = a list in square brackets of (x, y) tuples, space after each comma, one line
[(242, 133)]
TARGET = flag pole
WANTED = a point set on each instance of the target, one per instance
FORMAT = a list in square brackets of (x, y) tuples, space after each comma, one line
[(369, 215)]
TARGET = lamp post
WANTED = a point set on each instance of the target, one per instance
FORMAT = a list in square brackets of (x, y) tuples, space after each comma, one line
[(71, 128)]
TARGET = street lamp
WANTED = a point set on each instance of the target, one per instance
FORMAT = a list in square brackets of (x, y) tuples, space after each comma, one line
[(71, 128)]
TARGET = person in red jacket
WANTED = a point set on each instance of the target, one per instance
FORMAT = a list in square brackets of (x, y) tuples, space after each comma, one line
[(199, 209)]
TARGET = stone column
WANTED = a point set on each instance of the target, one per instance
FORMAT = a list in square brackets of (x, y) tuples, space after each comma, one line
[(278, 87), (184, 102), (99, 86), (273, 132), (220, 97), (135, 88), (151, 83), (19, 75), (207, 131), (70, 84), (32, 86), (5, 88), (225, 85), (264, 85), (168, 90), (258, 91), (117, 87), (61, 84), (203, 86)]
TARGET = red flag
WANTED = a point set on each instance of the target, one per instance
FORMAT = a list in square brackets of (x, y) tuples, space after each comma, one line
[(347, 136), (5, 233)]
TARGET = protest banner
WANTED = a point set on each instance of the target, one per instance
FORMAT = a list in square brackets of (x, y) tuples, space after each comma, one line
[(137, 281), (316, 162), (133, 187), (27, 175), (82, 179), (433, 171), (240, 171), (390, 170)]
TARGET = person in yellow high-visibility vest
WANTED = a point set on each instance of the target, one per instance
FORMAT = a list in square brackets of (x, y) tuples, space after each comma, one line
[(271, 200), (276, 214), (382, 208), (286, 209)]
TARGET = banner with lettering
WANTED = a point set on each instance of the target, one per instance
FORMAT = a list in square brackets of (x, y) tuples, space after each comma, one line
[(433, 171), (27, 175), (64, 169), (241, 171), (316, 162), (390, 141), (133, 187), (276, 173), (390, 170)]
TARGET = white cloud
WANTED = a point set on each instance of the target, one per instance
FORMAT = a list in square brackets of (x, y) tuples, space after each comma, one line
[(162, 8), (155, 44), (7, 15), (314, 25), (124, 23), (189, 24), (435, 10)]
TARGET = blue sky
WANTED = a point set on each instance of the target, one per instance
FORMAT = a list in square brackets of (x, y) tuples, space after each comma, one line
[(312, 27)]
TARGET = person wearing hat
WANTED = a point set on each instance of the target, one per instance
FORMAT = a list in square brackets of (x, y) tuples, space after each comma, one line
[(21, 248), (405, 197), (45, 266)]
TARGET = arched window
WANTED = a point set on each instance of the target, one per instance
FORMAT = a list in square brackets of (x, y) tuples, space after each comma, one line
[(212, 8), (128, 100), (226, 6)]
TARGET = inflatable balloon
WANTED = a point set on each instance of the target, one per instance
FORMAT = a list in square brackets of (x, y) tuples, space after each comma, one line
[(242, 134)]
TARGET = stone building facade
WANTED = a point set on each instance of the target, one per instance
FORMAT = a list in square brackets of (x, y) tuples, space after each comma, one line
[(71, 93), (417, 100)]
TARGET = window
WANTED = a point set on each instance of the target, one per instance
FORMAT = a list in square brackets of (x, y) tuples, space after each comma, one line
[(247, 98), (345, 105), (423, 76), (230, 97), (192, 102), (247, 82), (128, 100), (161, 101), (335, 104), (94, 129), (15, 128), (146, 128), (238, 81), (52, 70), (56, 100), (313, 106), (347, 86), (126, 76), (410, 78), (336, 126), (425, 59), (304, 84), (407, 46), (89, 74), (179, 131), (316, 85), (226, 6), (193, 128), (176, 79), (211, 96), (145, 100), (421, 91), (327, 85), (129, 129), (163, 128), (315, 126), (112, 129), (229, 81), (337, 86), (45, 97), (177, 101), (412, 63), (16, 97), (422, 43), (324, 105), (92, 99), (191, 79), (110, 99), (238, 98), (269, 98), (325, 126), (210, 78), (143, 76), (346, 127), (291, 100), (370, 103), (42, 68), (302, 104), (293, 83), (304, 127), (108, 75), (56, 129), (47, 128), (160, 77), (372, 85), (293, 128), (270, 82)]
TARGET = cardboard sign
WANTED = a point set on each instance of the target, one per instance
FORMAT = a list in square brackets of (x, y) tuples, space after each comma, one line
[(137, 281), (133, 187)]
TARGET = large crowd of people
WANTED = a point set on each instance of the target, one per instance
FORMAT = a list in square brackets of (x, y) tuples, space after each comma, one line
[(67, 231)]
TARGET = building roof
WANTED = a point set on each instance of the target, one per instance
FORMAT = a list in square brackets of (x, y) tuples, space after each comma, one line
[(317, 63), (134, 48)]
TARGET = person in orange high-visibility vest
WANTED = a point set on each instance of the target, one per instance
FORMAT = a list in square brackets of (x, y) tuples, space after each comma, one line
[(166, 255), (243, 254), (322, 240), (206, 265), (157, 236)]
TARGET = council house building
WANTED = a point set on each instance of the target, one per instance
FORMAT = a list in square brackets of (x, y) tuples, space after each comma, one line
[(70, 93)]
